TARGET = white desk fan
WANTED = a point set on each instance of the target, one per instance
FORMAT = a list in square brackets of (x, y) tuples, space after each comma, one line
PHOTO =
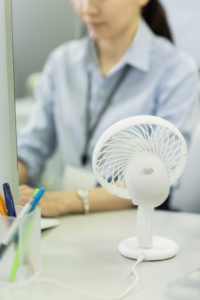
[(139, 158)]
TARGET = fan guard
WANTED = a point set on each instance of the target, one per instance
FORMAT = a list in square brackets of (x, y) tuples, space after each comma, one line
[(134, 135)]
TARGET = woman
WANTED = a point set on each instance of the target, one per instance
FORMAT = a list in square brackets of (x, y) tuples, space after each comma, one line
[(122, 68)]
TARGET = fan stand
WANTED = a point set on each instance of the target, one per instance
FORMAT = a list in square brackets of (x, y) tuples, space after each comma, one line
[(143, 173), (152, 247), (162, 248)]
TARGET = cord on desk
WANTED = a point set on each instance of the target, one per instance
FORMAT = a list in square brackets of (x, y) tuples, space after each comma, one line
[(122, 295), (65, 286)]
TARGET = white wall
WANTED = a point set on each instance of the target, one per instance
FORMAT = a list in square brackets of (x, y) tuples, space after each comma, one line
[(38, 27), (184, 18)]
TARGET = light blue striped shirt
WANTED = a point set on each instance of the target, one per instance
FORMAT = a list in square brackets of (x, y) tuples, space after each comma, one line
[(162, 81)]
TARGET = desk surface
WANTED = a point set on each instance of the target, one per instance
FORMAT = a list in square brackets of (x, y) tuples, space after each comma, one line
[(82, 253)]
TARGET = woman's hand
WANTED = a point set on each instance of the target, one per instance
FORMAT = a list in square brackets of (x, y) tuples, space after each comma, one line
[(52, 204)]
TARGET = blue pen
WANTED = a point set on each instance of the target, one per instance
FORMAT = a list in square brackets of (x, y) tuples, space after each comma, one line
[(9, 200), (33, 201), (36, 198)]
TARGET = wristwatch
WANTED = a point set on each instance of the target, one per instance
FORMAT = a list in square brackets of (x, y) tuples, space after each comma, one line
[(83, 195)]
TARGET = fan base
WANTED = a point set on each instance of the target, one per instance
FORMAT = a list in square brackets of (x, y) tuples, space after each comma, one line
[(163, 248)]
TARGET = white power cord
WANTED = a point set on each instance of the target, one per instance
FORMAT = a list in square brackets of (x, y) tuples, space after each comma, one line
[(65, 286)]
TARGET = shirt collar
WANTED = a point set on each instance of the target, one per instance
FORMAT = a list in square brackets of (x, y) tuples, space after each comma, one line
[(90, 55), (138, 55)]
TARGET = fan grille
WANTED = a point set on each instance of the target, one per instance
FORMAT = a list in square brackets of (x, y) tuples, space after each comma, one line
[(111, 156)]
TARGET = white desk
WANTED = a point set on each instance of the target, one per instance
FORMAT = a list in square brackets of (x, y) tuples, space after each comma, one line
[(82, 252)]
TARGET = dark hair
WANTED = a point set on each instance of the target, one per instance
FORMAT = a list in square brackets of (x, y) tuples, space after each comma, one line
[(155, 16)]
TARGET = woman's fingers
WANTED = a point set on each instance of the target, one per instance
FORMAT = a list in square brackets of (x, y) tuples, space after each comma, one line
[(25, 193)]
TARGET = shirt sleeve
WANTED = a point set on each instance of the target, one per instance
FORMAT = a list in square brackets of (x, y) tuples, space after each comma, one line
[(38, 139), (178, 95)]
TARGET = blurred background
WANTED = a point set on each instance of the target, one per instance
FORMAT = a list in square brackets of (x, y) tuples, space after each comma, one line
[(39, 26)]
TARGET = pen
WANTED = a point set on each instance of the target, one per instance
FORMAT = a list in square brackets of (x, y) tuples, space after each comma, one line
[(35, 202), (3, 210), (13, 228), (9, 200)]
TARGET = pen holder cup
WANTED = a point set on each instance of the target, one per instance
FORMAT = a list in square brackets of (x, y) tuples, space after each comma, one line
[(20, 261)]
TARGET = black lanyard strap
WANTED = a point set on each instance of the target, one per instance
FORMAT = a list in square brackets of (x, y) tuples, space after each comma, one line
[(90, 130)]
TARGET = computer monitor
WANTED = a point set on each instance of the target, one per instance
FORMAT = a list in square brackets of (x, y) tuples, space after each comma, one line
[(8, 149)]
